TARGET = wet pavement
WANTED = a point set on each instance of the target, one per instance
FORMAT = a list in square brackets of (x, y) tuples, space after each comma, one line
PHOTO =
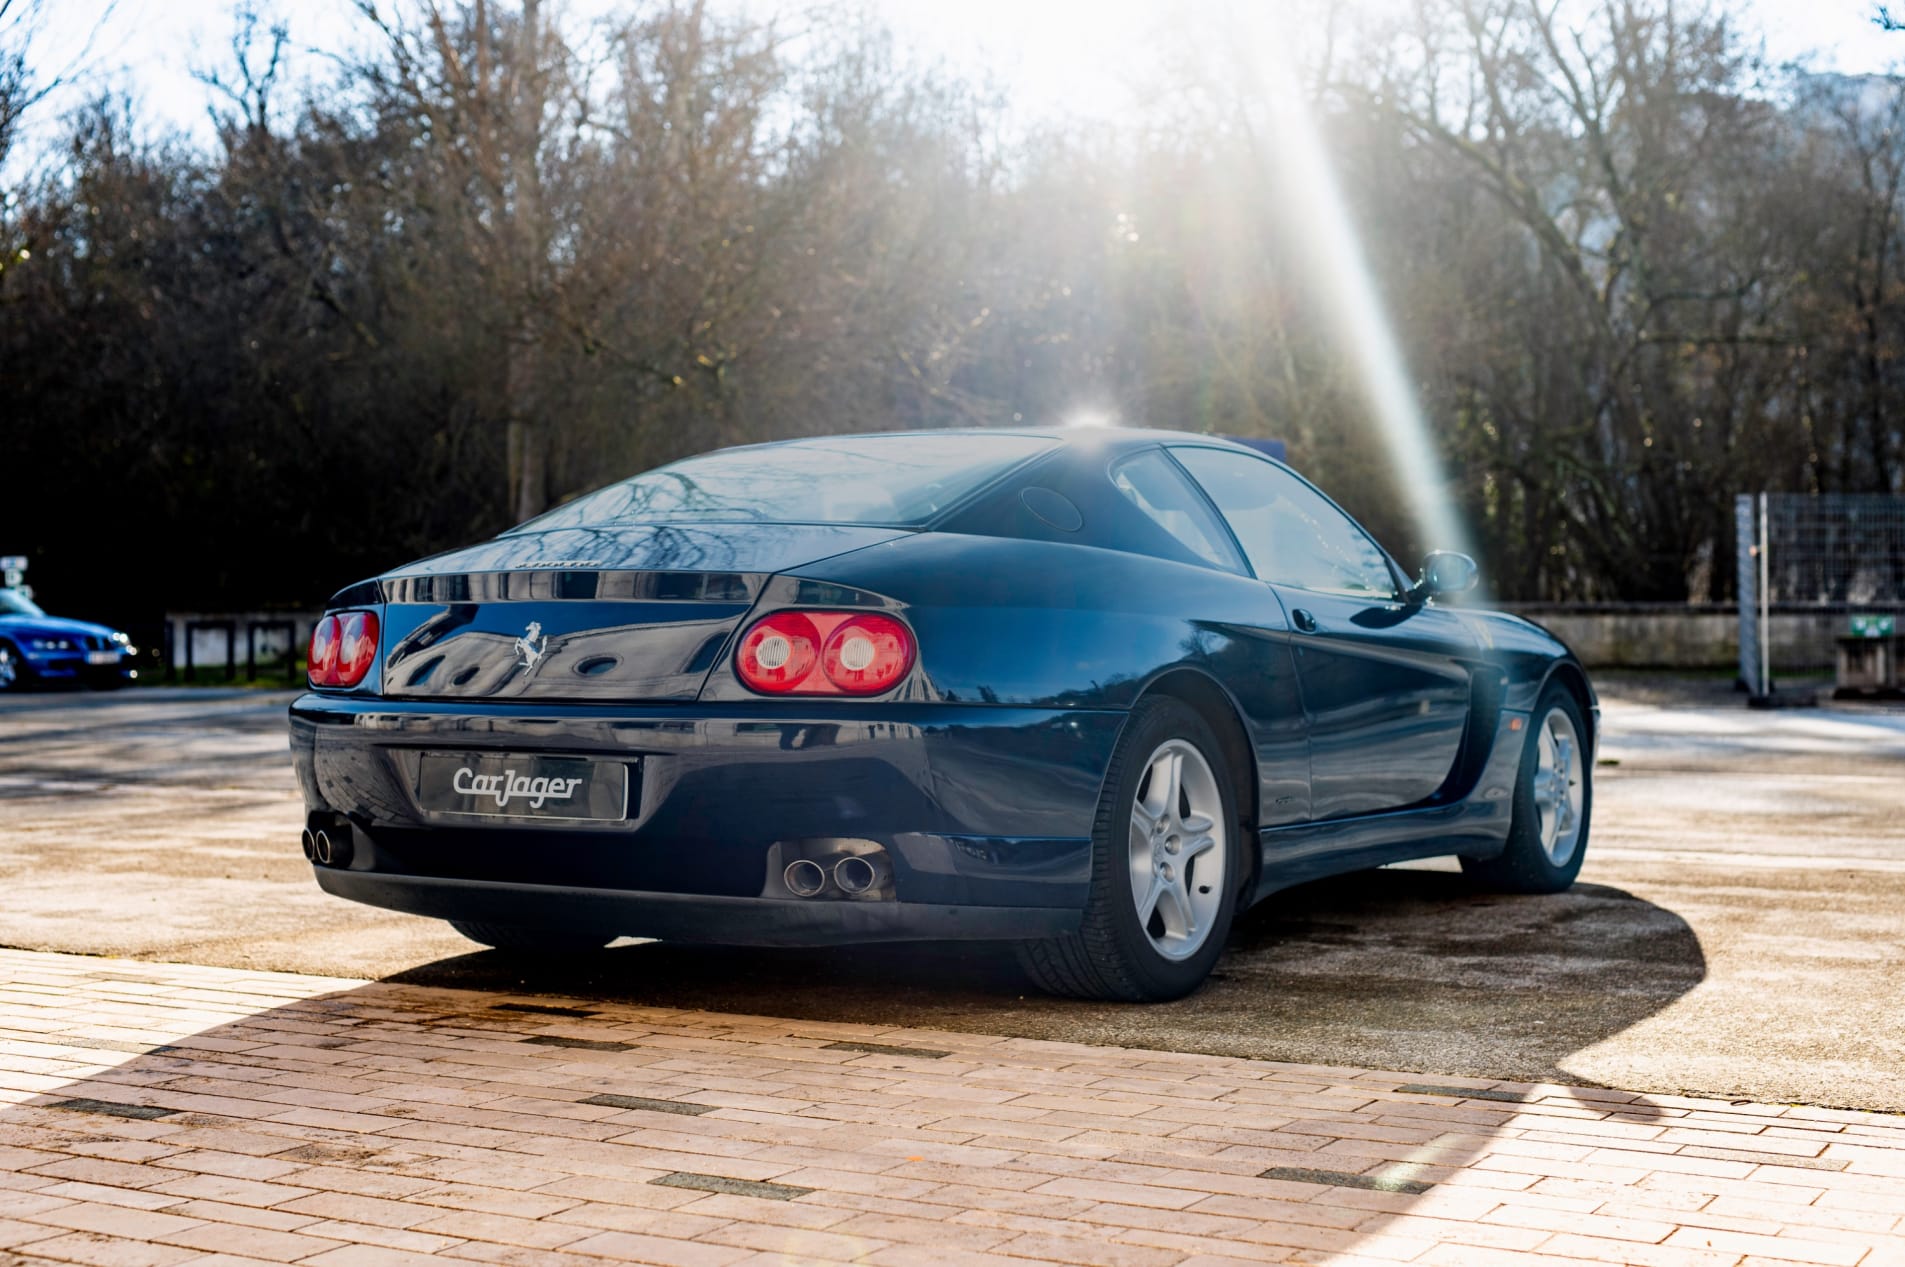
[(1738, 930)]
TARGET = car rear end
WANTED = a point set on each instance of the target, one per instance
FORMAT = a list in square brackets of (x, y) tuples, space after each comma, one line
[(667, 732)]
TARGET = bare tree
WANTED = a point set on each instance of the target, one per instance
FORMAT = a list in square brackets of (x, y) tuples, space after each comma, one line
[(493, 87), (505, 258), (1622, 149), (20, 89)]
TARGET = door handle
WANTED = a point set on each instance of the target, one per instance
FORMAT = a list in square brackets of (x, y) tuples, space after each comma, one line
[(1303, 620)]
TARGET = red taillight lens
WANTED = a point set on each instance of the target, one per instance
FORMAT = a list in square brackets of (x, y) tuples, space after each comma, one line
[(343, 647), (824, 653), (321, 661), (778, 653), (867, 654), (356, 646)]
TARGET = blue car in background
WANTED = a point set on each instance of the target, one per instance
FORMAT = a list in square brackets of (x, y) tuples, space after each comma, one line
[(1092, 692), (36, 647)]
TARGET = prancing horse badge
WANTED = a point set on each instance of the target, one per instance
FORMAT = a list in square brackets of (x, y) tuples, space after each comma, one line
[(531, 645)]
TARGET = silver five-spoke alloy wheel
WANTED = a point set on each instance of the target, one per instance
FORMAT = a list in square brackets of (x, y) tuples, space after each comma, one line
[(1557, 786), (1178, 853)]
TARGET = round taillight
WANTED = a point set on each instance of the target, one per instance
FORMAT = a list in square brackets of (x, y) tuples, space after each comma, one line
[(824, 653), (356, 647), (865, 655), (321, 659), (778, 653)]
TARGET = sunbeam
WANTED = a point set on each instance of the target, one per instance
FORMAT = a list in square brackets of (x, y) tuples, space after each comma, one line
[(1338, 273)]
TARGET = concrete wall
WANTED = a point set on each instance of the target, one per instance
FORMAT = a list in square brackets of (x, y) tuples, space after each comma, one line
[(1648, 636), (208, 643)]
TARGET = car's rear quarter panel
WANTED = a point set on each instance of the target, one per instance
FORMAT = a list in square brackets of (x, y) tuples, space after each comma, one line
[(1009, 622)]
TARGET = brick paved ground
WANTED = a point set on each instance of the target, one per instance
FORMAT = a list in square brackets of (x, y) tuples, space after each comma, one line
[(160, 1115)]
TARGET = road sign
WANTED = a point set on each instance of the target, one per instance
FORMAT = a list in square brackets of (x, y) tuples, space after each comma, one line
[(12, 563), (1874, 626)]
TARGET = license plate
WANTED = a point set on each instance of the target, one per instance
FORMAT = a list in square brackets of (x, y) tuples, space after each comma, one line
[(493, 785), (102, 657)]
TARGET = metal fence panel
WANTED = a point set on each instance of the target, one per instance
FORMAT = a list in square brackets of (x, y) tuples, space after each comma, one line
[(1829, 557)]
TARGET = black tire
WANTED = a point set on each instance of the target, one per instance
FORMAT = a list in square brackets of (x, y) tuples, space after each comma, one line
[(14, 673), (1112, 956), (1526, 866), (531, 939)]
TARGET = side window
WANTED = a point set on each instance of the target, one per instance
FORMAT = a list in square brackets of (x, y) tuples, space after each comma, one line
[(1291, 533), (1157, 487)]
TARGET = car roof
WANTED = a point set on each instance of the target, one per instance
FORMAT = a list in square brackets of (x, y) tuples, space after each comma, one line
[(1103, 439)]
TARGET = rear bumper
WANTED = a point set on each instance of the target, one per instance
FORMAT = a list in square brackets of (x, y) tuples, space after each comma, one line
[(984, 813), (728, 921)]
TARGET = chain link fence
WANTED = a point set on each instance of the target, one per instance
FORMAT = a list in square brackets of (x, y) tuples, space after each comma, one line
[(1813, 569)]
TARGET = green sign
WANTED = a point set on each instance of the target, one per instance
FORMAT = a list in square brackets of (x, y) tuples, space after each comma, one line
[(1874, 626)]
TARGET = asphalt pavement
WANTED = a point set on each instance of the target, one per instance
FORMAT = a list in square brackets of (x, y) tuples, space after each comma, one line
[(1738, 931)]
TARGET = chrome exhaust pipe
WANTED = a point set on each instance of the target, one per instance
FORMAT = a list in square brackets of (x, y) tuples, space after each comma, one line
[(858, 874), (309, 842), (804, 877), (331, 846)]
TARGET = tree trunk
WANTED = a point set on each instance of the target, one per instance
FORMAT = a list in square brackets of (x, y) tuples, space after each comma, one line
[(528, 438)]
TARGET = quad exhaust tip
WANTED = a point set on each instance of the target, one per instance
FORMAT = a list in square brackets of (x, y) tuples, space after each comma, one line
[(804, 877), (327, 846), (837, 875), (857, 875)]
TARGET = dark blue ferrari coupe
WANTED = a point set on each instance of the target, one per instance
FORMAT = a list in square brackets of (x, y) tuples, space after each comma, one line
[(1091, 692)]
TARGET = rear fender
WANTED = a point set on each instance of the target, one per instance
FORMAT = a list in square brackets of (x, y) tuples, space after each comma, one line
[(1003, 621)]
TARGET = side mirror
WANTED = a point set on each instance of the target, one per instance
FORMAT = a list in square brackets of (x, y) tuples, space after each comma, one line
[(1445, 572)]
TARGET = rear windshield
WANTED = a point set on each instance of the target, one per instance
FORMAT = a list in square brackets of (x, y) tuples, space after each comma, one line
[(901, 480)]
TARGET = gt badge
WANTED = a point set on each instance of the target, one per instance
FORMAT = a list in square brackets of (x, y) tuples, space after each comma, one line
[(531, 645)]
